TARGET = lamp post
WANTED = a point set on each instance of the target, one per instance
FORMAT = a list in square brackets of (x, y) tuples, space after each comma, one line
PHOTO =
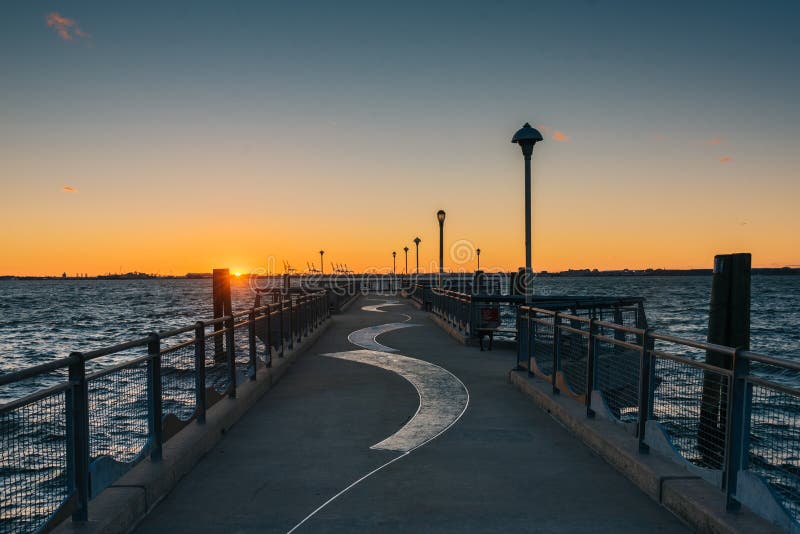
[(478, 252), (405, 249), (394, 262), (321, 262), (440, 216), (416, 242), (526, 137)]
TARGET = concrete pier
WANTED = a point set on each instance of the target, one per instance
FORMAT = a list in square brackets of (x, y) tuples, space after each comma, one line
[(301, 458)]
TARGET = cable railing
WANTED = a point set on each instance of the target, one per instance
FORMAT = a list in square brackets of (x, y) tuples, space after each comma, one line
[(467, 313), (94, 415), (736, 426)]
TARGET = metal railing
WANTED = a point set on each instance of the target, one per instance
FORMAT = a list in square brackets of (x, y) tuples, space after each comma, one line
[(95, 414), (462, 311), (736, 426)]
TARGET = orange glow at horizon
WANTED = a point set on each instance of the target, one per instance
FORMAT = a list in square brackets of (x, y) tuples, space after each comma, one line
[(589, 211)]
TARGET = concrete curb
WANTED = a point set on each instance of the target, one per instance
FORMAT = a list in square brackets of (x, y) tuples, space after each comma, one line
[(455, 333), (121, 506), (343, 308), (689, 497)]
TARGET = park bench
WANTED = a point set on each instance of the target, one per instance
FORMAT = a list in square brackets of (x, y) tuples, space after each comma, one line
[(488, 323)]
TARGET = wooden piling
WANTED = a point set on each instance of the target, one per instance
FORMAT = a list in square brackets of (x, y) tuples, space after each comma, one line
[(728, 325), (221, 296)]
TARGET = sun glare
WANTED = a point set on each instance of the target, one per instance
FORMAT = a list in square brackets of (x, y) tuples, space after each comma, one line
[(237, 273)]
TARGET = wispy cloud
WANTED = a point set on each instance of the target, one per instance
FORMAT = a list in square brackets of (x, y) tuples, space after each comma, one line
[(66, 28), (560, 136), (549, 131), (69, 189), (713, 141), (725, 159)]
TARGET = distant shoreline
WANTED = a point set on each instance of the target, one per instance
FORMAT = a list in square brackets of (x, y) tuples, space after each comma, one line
[(571, 273)]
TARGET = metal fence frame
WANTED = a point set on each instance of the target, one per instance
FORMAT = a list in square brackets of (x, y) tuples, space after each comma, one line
[(716, 429), (213, 354)]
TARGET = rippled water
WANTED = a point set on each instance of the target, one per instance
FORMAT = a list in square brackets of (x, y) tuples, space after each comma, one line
[(679, 305), (42, 320)]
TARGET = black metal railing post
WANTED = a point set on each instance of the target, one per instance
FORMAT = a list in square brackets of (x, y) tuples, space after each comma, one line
[(268, 336), (590, 367), (280, 317), (532, 325), (737, 439), (644, 391), (251, 341), (155, 410), (300, 319), (522, 347), (306, 315), (556, 352), (290, 329), (77, 397), (230, 351), (200, 371)]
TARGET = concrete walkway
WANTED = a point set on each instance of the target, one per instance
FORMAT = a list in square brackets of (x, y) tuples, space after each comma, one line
[(503, 466)]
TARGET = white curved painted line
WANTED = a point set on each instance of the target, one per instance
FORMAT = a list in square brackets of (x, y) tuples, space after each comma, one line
[(365, 337), (374, 307), (443, 398)]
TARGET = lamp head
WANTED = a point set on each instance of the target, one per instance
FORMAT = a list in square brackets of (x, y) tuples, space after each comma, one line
[(440, 215), (526, 137), (417, 241)]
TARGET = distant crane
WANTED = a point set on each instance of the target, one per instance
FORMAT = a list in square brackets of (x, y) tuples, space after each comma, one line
[(339, 268), (312, 269), (287, 268)]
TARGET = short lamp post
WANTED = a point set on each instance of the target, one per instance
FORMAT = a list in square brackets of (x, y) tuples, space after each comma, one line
[(526, 137), (405, 249), (416, 242), (321, 262), (394, 262), (478, 253), (440, 215)]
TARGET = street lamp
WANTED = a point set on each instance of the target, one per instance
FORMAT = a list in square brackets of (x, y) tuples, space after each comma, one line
[(321, 263), (405, 249), (526, 137), (416, 242), (478, 252), (440, 216), (394, 262)]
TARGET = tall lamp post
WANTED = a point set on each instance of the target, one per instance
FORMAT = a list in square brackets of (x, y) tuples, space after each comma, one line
[(405, 249), (478, 252), (440, 216), (321, 262), (416, 242), (526, 137), (394, 262)]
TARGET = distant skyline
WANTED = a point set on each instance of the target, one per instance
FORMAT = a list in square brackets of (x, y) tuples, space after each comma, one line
[(179, 137)]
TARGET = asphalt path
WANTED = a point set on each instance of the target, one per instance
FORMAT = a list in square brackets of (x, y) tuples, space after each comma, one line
[(302, 458)]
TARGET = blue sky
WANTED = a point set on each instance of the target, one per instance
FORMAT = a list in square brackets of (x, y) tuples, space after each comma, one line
[(668, 101)]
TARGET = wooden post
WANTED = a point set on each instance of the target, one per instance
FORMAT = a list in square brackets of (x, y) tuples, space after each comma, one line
[(221, 296), (729, 325)]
